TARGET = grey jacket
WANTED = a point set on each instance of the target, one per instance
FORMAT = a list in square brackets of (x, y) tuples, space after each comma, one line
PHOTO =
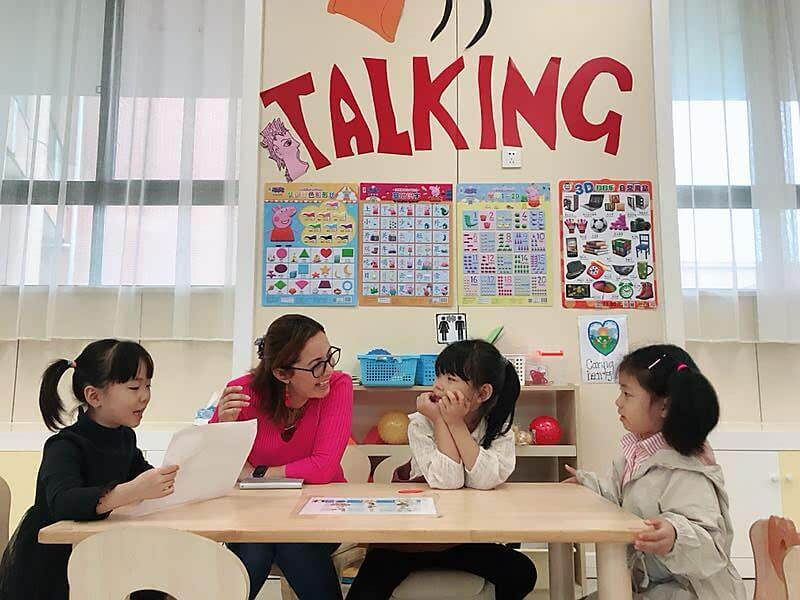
[(691, 496)]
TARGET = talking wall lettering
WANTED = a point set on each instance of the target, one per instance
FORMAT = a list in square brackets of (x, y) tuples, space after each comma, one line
[(538, 106)]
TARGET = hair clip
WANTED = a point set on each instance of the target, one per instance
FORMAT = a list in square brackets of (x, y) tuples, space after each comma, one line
[(682, 366), (259, 344), (658, 360)]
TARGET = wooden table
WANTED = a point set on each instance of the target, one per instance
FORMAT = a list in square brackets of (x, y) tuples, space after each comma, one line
[(558, 514)]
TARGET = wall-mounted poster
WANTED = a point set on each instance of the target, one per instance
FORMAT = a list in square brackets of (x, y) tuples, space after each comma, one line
[(310, 244), (405, 237), (502, 244), (607, 244)]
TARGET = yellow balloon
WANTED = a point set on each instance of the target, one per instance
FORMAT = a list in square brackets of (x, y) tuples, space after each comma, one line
[(393, 427)]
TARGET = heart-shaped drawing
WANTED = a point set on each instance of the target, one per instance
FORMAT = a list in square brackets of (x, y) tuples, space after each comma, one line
[(326, 252), (301, 283), (604, 336)]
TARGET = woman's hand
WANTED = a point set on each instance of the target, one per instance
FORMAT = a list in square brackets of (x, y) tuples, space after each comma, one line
[(155, 483), (454, 407), (573, 472), (231, 403), (660, 539)]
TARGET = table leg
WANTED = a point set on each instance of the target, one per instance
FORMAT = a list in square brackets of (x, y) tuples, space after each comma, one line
[(613, 577), (562, 571)]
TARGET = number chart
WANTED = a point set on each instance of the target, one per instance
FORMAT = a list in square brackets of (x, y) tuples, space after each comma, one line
[(406, 244), (502, 230), (310, 245)]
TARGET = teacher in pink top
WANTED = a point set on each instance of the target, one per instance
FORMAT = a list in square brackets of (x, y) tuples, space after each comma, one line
[(304, 411)]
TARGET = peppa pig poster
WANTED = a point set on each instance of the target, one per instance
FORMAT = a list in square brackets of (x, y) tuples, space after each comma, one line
[(310, 245), (406, 244), (503, 241)]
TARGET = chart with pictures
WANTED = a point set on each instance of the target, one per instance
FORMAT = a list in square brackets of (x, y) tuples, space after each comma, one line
[(419, 506), (607, 244), (406, 251), (502, 233), (310, 245)]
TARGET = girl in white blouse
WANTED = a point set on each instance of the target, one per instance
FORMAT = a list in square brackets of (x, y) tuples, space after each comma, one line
[(460, 436)]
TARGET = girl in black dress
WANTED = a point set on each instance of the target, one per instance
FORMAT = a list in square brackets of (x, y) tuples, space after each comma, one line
[(89, 468)]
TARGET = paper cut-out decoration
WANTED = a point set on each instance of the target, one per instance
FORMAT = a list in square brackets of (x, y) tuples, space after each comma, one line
[(284, 149), (381, 16), (448, 11)]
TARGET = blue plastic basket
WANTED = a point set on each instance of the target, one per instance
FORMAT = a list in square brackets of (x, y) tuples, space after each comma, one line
[(426, 369), (395, 370)]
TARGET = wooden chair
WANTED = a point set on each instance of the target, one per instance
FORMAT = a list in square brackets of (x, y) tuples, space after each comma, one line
[(791, 571), (356, 467), (433, 584), (5, 512), (771, 540), (121, 560)]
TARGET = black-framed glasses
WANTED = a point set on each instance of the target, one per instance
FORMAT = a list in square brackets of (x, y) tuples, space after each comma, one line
[(334, 354)]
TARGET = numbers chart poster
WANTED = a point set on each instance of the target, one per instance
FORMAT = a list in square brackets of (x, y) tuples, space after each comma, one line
[(502, 233), (310, 245), (406, 251), (607, 244)]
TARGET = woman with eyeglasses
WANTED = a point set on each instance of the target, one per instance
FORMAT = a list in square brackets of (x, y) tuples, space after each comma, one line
[(304, 410)]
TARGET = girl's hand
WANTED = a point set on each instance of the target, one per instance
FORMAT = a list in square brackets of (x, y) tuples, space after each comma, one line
[(573, 472), (659, 539), (454, 407), (427, 407), (155, 483), (231, 403)]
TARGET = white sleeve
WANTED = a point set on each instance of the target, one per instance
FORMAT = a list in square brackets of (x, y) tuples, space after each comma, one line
[(494, 465), (439, 470)]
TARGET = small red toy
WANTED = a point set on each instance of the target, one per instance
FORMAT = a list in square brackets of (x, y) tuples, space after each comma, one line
[(546, 431)]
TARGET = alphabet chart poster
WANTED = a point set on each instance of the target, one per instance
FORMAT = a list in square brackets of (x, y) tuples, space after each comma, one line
[(406, 244), (607, 239), (502, 233), (310, 245)]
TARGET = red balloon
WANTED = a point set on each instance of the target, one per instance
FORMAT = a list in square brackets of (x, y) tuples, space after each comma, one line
[(372, 437), (546, 431)]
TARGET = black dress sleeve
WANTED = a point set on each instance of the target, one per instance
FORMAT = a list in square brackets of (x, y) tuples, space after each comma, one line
[(139, 465), (66, 493)]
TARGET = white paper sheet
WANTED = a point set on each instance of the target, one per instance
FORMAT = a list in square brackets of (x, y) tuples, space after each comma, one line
[(210, 458), (420, 506)]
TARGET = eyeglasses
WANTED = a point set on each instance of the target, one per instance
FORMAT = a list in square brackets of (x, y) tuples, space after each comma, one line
[(334, 354)]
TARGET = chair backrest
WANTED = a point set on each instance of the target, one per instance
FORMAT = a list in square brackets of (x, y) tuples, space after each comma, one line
[(791, 570), (771, 540), (355, 464), (385, 469), (121, 560), (5, 512)]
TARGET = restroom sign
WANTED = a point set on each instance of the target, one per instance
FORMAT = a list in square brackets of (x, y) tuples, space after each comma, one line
[(451, 327)]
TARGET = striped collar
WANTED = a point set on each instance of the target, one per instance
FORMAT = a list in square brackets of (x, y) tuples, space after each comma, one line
[(638, 450)]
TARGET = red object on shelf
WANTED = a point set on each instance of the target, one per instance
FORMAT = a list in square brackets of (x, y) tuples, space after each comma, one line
[(372, 437), (546, 431)]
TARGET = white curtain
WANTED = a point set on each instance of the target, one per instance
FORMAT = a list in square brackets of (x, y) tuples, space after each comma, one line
[(119, 131), (736, 71)]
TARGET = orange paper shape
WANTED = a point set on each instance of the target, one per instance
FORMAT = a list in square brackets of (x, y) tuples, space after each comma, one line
[(381, 16)]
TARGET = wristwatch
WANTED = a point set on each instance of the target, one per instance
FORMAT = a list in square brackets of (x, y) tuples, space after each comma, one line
[(260, 471)]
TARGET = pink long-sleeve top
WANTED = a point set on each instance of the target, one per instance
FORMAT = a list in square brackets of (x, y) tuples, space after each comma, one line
[(315, 451)]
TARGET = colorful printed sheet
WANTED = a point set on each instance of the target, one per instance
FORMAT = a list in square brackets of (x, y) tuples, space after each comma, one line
[(310, 245), (420, 506), (502, 234), (406, 244), (607, 244)]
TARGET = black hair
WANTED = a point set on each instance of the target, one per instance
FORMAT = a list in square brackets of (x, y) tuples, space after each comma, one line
[(478, 362), (668, 372), (100, 363)]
